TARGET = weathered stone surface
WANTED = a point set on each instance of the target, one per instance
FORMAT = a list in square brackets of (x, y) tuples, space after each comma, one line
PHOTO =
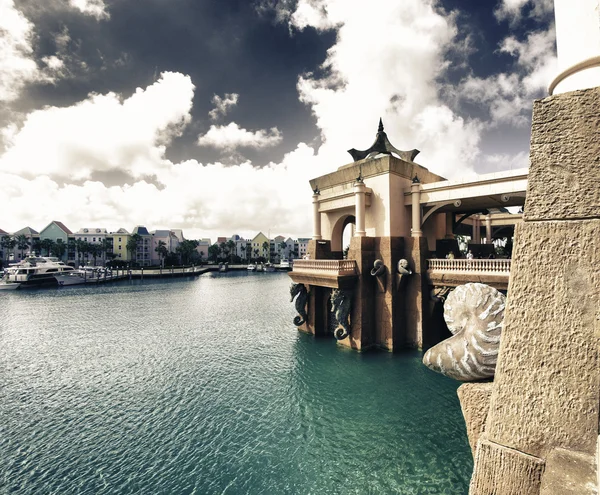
[(547, 378), (569, 473), (474, 314), (503, 471), (475, 404), (564, 176)]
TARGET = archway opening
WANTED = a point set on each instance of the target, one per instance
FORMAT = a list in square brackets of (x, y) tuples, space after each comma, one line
[(347, 234)]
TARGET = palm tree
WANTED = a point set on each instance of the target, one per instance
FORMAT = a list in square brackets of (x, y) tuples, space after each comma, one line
[(231, 247), (223, 248), (248, 250), (283, 245), (47, 244), (162, 251), (36, 245), (265, 247), (213, 252), (132, 245), (8, 243), (22, 243), (58, 249), (256, 252), (106, 248)]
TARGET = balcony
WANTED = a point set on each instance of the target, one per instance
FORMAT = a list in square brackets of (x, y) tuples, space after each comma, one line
[(335, 274), (450, 273), (474, 265)]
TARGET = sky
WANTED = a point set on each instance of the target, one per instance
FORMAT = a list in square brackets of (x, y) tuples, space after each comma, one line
[(212, 115)]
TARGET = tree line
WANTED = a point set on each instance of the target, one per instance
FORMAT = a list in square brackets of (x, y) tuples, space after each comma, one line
[(226, 251)]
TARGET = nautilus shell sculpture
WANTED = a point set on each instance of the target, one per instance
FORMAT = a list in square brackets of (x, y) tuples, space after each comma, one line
[(474, 314)]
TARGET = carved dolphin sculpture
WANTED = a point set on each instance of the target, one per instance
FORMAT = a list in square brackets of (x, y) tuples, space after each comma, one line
[(474, 314)]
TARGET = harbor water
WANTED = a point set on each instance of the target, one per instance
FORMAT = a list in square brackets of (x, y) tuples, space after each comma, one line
[(204, 386)]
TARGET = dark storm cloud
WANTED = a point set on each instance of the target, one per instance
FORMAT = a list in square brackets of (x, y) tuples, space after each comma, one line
[(226, 47)]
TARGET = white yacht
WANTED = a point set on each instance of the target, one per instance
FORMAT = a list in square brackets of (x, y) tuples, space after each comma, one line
[(5, 284), (285, 264), (251, 267), (35, 271)]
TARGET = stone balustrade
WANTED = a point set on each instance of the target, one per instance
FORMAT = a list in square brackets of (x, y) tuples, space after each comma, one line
[(326, 267), (334, 274), (499, 266)]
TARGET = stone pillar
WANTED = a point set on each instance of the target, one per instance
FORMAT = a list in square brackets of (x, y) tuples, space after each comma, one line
[(474, 221), (544, 402), (316, 218), (488, 229), (415, 189), (449, 225), (359, 196), (362, 334)]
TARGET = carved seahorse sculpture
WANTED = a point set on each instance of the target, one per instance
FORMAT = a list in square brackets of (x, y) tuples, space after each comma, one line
[(300, 291), (341, 302), (378, 268), (474, 314)]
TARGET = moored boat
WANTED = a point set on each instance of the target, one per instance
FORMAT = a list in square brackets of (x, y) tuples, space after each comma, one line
[(251, 267), (36, 271)]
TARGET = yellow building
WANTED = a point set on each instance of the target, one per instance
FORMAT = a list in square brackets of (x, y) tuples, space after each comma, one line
[(258, 246), (119, 242)]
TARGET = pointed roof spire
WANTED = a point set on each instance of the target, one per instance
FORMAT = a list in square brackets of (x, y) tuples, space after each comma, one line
[(382, 145)]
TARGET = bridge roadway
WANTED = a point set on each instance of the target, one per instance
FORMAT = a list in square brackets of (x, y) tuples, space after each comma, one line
[(451, 273)]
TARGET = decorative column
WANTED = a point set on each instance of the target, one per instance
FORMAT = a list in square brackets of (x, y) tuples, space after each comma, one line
[(316, 216), (474, 223), (359, 197), (488, 229), (415, 190)]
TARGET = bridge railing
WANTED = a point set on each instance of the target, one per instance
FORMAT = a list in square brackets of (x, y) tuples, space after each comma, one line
[(466, 265), (326, 267)]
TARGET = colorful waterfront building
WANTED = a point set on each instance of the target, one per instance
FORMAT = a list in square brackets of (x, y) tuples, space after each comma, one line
[(170, 239), (97, 237), (59, 235), (258, 248), (142, 255), (202, 248), (119, 240)]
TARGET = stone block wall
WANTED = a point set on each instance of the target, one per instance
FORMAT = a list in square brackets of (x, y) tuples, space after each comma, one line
[(545, 396)]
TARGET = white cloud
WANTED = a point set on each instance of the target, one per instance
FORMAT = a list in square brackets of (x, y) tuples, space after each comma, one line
[(386, 63), (17, 67), (95, 8), (222, 105), (232, 136), (508, 95), (513, 10), (102, 133), (105, 133)]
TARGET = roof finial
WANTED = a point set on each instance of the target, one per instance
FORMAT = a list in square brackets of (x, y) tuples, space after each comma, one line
[(382, 146)]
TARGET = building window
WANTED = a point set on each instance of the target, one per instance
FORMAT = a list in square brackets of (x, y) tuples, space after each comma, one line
[(119, 241)]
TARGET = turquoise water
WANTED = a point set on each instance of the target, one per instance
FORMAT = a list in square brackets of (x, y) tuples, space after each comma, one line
[(204, 386)]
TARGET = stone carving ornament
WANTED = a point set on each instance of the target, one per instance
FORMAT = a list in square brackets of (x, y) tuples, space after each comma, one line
[(474, 314), (378, 268), (341, 304), (300, 291)]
